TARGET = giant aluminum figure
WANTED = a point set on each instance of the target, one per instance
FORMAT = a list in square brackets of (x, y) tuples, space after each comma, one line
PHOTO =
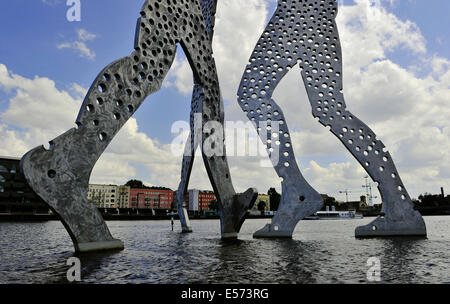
[(60, 175), (305, 32), (234, 209)]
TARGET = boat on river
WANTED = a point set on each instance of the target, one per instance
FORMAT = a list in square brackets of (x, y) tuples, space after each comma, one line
[(335, 215)]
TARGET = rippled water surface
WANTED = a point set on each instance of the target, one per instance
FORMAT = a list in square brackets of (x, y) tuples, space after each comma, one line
[(320, 252)]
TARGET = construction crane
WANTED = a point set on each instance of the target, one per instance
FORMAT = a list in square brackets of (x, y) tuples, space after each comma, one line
[(369, 195), (346, 194)]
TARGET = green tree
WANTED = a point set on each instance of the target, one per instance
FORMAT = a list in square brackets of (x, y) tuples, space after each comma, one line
[(275, 199), (330, 202), (136, 184), (432, 200)]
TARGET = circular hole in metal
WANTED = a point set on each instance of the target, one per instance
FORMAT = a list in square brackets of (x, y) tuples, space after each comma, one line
[(102, 87), (51, 173), (102, 136)]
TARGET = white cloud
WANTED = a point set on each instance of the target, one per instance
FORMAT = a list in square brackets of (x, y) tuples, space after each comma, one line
[(180, 75), (39, 112), (51, 2), (440, 65), (238, 26), (80, 45), (409, 113), (84, 35), (37, 104)]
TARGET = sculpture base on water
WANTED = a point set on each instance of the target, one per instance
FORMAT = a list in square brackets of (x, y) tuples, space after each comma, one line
[(384, 227), (233, 212), (185, 222), (269, 232), (99, 246), (291, 210), (63, 186)]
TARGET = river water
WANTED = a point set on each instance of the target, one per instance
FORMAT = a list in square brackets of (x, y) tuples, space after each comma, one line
[(324, 251)]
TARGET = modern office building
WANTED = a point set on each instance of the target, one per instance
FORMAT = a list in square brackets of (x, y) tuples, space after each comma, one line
[(123, 196), (151, 198), (200, 200), (15, 194), (103, 196)]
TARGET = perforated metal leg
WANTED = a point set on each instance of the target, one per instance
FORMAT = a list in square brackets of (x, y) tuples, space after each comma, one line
[(269, 63), (207, 102), (188, 158), (232, 207)]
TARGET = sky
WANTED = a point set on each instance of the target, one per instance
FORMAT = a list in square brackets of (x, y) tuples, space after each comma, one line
[(396, 57)]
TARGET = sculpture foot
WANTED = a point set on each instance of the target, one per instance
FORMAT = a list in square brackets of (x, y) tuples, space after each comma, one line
[(297, 202), (60, 177), (186, 230), (184, 220), (411, 225), (272, 232), (114, 244), (233, 215)]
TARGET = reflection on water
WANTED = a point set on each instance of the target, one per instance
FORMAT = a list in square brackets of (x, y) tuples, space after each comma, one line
[(320, 252)]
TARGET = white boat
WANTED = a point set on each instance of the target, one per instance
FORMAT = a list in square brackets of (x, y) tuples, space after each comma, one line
[(335, 215)]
